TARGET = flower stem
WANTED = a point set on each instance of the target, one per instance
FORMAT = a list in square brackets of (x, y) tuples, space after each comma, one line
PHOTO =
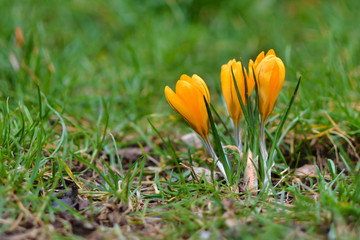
[(267, 171), (237, 137), (216, 159)]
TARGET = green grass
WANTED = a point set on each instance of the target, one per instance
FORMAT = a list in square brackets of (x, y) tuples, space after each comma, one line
[(91, 73)]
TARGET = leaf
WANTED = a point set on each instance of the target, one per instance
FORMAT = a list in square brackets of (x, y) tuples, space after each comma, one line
[(281, 124), (224, 161)]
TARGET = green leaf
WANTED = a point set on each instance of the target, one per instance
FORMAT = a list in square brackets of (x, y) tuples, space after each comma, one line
[(281, 124), (222, 158)]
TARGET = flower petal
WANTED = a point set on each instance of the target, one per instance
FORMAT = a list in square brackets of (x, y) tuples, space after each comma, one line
[(270, 75), (178, 104), (270, 52), (194, 101), (198, 83)]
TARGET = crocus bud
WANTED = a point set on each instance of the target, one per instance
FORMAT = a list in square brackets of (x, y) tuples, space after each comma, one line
[(270, 76), (189, 102), (229, 89)]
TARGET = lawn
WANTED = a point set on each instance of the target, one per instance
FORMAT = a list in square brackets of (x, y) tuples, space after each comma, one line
[(90, 148)]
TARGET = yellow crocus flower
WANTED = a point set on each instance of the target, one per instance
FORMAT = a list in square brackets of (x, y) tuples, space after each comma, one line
[(270, 76), (229, 90), (253, 65), (189, 102)]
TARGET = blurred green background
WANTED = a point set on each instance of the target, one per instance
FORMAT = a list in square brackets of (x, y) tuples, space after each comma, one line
[(101, 67), (127, 51)]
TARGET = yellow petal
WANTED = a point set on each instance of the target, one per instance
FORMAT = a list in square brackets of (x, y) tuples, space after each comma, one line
[(193, 99), (271, 75), (228, 71), (178, 104), (250, 76), (198, 83), (270, 52), (259, 58)]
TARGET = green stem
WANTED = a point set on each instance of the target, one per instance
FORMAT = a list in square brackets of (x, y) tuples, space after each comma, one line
[(216, 159), (238, 143), (267, 170)]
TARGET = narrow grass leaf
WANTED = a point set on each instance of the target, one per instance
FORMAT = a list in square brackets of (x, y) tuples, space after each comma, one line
[(222, 158), (281, 124)]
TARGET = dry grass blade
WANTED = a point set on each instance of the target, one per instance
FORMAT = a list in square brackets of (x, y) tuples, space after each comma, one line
[(251, 173)]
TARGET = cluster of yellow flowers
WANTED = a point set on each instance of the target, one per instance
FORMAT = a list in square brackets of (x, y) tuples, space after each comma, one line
[(191, 92)]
